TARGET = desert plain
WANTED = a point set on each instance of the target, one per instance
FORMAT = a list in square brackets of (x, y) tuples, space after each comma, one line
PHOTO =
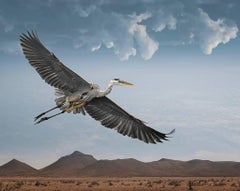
[(120, 184)]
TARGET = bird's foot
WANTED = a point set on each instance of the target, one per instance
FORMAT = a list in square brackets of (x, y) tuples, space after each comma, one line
[(75, 106), (41, 120), (40, 115)]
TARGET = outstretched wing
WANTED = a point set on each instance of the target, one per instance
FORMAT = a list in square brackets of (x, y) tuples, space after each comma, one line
[(48, 66), (112, 116)]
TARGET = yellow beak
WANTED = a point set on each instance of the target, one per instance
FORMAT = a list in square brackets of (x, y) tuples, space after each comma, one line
[(125, 83)]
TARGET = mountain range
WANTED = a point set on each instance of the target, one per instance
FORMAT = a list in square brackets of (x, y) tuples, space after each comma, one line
[(78, 164)]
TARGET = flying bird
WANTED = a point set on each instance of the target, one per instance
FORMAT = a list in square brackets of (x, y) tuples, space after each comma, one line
[(76, 95)]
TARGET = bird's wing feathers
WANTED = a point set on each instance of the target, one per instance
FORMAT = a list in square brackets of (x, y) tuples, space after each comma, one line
[(48, 66), (112, 116)]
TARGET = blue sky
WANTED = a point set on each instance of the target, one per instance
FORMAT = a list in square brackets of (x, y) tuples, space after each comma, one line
[(183, 58)]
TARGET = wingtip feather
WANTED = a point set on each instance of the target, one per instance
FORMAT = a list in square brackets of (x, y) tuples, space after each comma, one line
[(171, 132)]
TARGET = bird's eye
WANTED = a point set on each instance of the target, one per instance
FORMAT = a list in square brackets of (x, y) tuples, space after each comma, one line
[(116, 79)]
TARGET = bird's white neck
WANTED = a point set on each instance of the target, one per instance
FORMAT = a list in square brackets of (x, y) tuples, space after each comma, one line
[(106, 91)]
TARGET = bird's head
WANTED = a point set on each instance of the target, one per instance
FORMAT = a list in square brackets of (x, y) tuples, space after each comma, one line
[(117, 81)]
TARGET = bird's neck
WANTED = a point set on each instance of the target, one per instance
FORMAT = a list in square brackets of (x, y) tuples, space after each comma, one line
[(106, 91)]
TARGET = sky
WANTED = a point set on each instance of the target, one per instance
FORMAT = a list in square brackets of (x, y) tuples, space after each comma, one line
[(182, 57)]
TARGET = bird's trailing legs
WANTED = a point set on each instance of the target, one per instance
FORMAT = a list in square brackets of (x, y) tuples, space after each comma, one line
[(71, 108), (46, 118), (43, 113)]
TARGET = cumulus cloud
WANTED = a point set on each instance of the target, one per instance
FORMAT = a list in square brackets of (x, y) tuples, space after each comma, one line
[(214, 33), (122, 33), (130, 28), (147, 46), (195, 27), (96, 48), (163, 21), (137, 27)]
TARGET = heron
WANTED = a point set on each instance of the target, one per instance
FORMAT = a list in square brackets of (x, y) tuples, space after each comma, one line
[(76, 95)]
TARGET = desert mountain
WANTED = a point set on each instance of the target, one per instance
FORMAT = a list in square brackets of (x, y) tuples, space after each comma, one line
[(118, 168), (167, 167), (78, 164), (16, 168), (68, 165)]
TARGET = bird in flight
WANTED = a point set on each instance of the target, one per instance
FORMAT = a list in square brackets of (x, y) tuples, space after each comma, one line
[(78, 96)]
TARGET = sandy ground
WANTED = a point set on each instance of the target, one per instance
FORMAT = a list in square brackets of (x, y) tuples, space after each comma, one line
[(120, 184)]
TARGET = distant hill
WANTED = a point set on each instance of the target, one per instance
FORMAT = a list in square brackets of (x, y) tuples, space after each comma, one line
[(194, 168), (68, 165), (118, 168), (78, 164), (17, 168)]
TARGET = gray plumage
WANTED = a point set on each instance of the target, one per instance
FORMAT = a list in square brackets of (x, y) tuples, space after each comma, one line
[(77, 95)]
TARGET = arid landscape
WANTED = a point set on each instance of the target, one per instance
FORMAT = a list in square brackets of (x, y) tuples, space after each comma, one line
[(79, 171), (121, 184)]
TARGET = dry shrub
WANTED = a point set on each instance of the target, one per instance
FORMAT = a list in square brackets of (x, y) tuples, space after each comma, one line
[(190, 185), (18, 184), (174, 183), (94, 183), (157, 181), (38, 183), (68, 181), (149, 183), (78, 183)]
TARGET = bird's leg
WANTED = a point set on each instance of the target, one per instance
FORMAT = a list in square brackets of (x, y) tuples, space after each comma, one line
[(46, 118), (73, 99), (75, 106), (40, 115), (69, 102)]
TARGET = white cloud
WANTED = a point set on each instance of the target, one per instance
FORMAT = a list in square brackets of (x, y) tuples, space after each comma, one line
[(131, 28), (195, 27), (214, 33), (141, 17), (97, 47), (147, 46), (122, 33), (163, 21), (109, 44), (130, 32), (125, 56)]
